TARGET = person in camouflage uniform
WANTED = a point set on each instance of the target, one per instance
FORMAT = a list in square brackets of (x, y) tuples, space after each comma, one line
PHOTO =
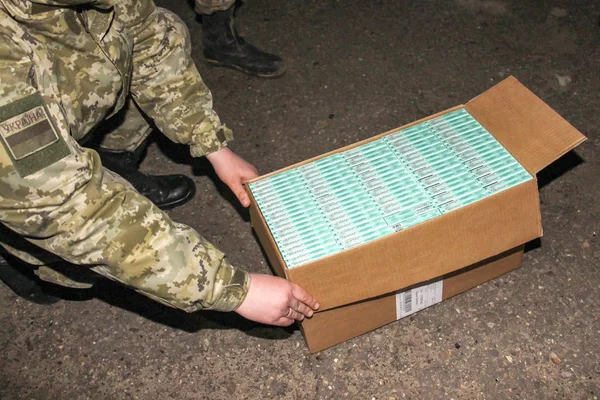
[(67, 67), (225, 48)]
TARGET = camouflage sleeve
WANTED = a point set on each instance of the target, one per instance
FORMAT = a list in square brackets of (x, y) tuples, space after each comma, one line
[(166, 84), (57, 196)]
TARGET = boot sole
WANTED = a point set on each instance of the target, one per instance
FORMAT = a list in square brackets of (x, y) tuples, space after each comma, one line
[(216, 63)]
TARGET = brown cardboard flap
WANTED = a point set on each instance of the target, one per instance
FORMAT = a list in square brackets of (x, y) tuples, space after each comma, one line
[(529, 129), (328, 328), (428, 250)]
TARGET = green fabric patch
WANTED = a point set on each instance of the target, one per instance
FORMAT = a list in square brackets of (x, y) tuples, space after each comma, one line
[(239, 277), (221, 136), (29, 135)]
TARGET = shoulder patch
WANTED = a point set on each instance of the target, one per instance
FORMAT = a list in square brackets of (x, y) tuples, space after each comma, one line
[(29, 135)]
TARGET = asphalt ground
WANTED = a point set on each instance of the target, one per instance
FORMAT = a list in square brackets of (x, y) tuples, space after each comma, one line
[(355, 69)]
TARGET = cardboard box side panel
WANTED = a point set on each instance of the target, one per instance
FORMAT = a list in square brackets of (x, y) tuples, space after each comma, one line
[(463, 280), (335, 326), (526, 126), (350, 146), (425, 251), (267, 241)]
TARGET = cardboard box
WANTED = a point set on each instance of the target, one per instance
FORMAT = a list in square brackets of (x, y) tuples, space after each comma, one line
[(529, 129)]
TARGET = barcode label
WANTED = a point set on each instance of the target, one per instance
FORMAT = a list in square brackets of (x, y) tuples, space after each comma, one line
[(407, 302), (411, 301)]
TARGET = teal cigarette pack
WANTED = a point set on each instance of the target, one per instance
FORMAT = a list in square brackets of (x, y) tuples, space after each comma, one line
[(422, 172)]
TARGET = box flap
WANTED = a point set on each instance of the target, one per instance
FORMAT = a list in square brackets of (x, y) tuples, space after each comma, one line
[(527, 127), (428, 250), (328, 328)]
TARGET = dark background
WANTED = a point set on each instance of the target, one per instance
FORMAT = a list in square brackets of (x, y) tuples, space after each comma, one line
[(355, 69)]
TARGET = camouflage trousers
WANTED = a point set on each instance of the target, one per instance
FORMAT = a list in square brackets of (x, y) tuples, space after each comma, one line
[(127, 130), (210, 6)]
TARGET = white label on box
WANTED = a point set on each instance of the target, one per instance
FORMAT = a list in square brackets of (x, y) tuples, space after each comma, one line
[(416, 299)]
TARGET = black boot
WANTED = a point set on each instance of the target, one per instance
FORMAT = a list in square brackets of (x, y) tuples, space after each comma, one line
[(165, 191), (24, 283), (225, 48)]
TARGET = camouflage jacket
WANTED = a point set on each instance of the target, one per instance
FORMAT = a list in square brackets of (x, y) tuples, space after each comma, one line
[(64, 67)]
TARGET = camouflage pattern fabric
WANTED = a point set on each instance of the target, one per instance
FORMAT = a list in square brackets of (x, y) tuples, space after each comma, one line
[(210, 6), (65, 67)]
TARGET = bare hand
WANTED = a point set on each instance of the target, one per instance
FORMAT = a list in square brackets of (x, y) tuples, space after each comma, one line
[(233, 171), (276, 301)]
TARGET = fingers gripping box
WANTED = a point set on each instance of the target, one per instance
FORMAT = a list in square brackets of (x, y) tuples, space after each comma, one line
[(388, 226)]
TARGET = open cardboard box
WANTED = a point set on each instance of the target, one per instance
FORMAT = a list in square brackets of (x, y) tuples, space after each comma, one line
[(466, 247)]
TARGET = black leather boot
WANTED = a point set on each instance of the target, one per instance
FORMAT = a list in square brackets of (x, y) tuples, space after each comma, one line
[(24, 283), (165, 191), (223, 47)]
